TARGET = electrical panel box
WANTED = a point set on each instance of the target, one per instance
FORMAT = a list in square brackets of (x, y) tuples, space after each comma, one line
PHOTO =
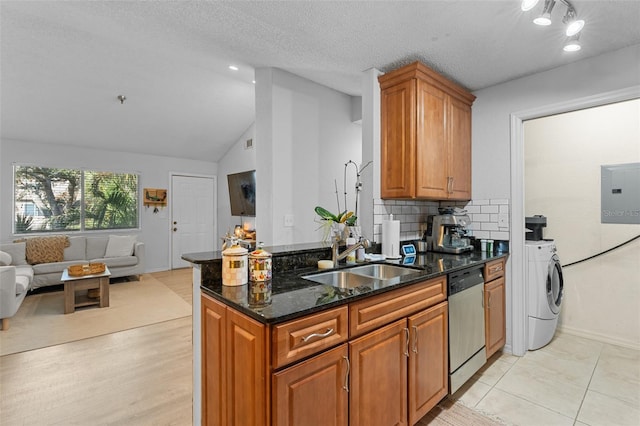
[(620, 196)]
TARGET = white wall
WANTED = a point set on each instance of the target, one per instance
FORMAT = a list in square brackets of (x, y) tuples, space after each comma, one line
[(304, 137), (154, 172), (563, 155), (498, 108), (236, 160)]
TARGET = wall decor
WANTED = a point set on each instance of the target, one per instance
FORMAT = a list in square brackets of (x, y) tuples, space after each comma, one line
[(154, 197)]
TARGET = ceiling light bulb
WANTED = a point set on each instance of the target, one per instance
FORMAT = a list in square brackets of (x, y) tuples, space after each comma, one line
[(574, 27), (233, 68), (572, 44), (545, 16), (528, 4), (544, 19)]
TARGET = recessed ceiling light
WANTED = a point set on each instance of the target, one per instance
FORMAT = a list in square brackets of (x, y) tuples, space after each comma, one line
[(253, 81), (233, 67)]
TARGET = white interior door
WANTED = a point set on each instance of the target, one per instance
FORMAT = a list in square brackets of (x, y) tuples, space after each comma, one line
[(192, 219)]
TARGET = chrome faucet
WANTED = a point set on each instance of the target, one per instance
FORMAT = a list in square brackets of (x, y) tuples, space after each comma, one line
[(337, 257)]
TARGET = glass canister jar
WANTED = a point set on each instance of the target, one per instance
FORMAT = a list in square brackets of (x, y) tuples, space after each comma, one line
[(259, 276), (234, 265)]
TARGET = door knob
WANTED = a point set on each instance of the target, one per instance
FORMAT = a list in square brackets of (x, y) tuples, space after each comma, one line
[(175, 229), (175, 223)]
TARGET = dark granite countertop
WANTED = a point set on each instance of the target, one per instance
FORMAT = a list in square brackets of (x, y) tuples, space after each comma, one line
[(277, 251), (293, 296)]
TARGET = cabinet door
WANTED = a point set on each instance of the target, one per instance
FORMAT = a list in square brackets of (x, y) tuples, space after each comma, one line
[(428, 373), (431, 142), (213, 361), (494, 315), (246, 359), (378, 394), (313, 392), (459, 150), (397, 141)]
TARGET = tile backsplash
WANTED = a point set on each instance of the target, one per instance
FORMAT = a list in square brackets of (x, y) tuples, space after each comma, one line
[(489, 218)]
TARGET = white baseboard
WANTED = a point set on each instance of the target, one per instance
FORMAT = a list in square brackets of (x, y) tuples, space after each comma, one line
[(599, 337)]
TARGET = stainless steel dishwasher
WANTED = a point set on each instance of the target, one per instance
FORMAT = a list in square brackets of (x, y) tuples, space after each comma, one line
[(467, 352)]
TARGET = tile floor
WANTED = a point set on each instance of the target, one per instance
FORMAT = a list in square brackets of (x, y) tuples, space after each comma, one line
[(571, 381)]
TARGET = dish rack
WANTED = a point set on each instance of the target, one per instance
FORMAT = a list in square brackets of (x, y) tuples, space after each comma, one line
[(86, 269)]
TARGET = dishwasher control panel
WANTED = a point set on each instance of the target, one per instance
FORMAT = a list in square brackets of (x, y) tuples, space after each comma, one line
[(464, 279)]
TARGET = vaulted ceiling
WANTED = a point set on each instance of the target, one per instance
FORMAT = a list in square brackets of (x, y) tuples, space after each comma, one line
[(64, 63)]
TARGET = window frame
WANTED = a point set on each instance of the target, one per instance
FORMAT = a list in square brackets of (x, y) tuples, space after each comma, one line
[(82, 219)]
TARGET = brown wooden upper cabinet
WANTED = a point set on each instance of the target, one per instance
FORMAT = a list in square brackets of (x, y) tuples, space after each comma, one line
[(425, 136)]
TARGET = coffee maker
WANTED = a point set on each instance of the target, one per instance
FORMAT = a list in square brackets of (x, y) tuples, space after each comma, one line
[(447, 231)]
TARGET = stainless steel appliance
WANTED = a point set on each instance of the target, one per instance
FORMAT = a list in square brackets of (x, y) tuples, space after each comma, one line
[(447, 232), (467, 351)]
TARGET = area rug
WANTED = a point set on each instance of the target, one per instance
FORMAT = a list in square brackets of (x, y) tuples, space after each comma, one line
[(41, 322)]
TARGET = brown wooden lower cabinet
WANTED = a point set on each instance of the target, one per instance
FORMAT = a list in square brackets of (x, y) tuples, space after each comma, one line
[(494, 306), (378, 393), (214, 380), (428, 360), (393, 374), (494, 315), (313, 392), (234, 367)]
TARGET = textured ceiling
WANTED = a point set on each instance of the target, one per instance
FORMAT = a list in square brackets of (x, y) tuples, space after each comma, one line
[(64, 63)]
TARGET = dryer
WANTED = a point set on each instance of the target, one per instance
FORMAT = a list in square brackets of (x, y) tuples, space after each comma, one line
[(545, 285)]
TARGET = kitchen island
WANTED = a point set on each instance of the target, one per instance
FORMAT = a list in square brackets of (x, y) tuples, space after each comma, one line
[(269, 364)]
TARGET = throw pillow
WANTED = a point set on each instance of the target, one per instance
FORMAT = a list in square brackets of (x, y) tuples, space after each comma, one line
[(17, 252), (5, 258), (120, 245), (46, 249)]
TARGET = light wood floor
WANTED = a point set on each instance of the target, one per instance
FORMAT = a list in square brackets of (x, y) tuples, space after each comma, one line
[(141, 376)]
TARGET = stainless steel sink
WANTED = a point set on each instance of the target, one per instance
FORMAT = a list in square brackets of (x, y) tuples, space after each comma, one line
[(382, 271), (373, 276), (341, 279)]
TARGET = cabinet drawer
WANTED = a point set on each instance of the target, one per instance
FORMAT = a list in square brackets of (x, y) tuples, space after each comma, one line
[(374, 312), (493, 270), (306, 336)]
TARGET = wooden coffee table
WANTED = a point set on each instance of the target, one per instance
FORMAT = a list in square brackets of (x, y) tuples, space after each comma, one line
[(86, 282)]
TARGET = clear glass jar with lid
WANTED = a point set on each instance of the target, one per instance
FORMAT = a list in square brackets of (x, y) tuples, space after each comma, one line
[(259, 276)]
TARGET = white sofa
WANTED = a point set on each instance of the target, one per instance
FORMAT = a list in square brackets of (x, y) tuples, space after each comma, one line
[(13, 289), (17, 278)]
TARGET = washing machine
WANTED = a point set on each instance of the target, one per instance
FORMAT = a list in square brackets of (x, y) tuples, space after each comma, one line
[(544, 291)]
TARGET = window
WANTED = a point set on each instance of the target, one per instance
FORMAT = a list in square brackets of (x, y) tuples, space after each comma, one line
[(53, 200)]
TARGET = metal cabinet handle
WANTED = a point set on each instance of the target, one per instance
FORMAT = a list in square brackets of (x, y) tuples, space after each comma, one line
[(415, 340), (311, 336), (406, 351), (450, 184), (489, 302), (346, 376)]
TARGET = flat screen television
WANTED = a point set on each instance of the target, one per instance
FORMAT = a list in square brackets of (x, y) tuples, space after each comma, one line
[(242, 193)]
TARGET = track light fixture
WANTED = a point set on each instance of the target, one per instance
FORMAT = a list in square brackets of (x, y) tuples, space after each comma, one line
[(545, 17), (528, 4), (570, 19), (573, 25), (572, 44)]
